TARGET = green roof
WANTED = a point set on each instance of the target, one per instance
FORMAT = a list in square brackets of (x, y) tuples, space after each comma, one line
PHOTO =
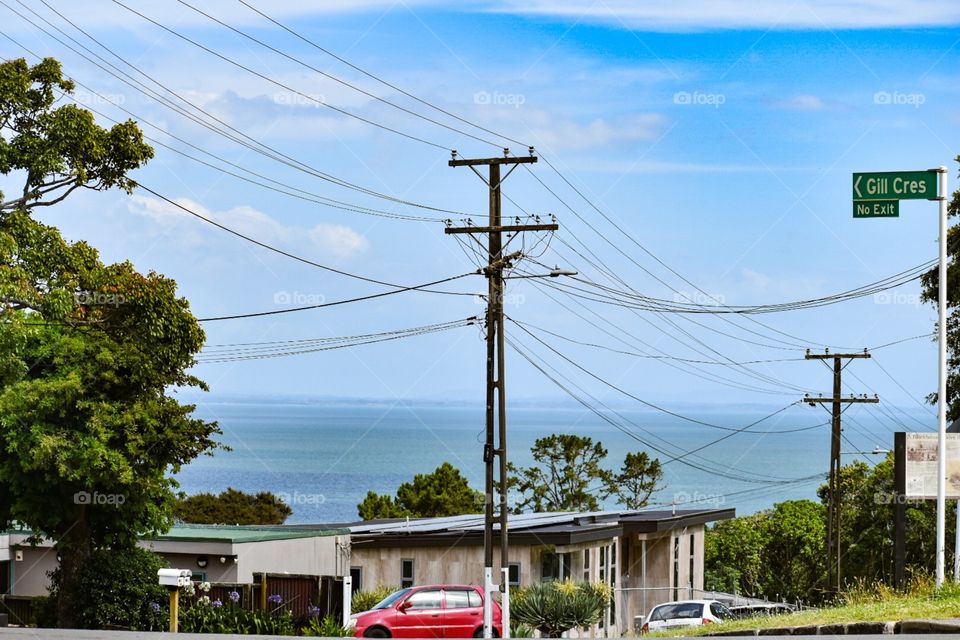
[(240, 534)]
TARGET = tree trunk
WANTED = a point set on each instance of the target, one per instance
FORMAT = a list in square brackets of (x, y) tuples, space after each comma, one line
[(73, 547)]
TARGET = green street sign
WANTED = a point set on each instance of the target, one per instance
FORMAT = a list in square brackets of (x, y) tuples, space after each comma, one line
[(876, 209), (895, 185)]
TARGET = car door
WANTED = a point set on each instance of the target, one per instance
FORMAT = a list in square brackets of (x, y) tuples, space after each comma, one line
[(420, 615), (462, 613)]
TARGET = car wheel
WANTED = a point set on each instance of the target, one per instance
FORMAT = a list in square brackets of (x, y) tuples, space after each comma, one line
[(479, 633), (376, 632)]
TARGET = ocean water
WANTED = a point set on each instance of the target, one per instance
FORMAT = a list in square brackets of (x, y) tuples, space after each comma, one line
[(322, 458)]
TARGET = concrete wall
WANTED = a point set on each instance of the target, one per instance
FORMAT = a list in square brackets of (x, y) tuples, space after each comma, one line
[(318, 556), (436, 565), (29, 576)]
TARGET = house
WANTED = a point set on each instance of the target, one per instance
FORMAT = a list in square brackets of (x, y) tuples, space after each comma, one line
[(647, 557), (215, 553)]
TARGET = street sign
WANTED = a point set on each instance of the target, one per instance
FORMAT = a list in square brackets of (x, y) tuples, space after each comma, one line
[(876, 209), (895, 185)]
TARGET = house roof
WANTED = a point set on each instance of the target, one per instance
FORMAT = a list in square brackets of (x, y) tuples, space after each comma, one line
[(238, 534), (529, 528)]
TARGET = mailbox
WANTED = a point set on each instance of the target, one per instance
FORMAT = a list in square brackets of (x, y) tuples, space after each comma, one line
[(174, 577)]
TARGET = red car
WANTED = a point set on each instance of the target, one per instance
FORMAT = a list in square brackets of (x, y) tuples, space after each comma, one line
[(430, 611)]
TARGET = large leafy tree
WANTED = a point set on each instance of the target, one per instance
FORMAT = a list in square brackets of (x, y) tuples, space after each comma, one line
[(89, 352), (444, 492), (931, 284), (569, 476), (232, 507)]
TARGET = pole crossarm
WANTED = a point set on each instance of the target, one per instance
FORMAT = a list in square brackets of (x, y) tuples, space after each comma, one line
[(830, 356), (475, 162), (847, 400), (507, 229)]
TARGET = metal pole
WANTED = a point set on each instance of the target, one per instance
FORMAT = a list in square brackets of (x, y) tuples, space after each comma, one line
[(835, 500), (942, 386)]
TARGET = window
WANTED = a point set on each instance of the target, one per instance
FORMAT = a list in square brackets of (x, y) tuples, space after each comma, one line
[(719, 610), (426, 599), (692, 559), (356, 579), (554, 566), (458, 598), (676, 568), (513, 575), (406, 573), (586, 564), (199, 576), (475, 600), (612, 578)]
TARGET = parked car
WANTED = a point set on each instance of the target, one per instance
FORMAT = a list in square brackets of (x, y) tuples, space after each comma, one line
[(429, 611), (685, 613)]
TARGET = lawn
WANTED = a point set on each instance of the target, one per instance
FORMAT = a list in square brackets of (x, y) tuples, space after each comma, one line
[(861, 604)]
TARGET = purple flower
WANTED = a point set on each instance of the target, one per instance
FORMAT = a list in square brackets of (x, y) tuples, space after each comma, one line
[(275, 599), (234, 597), (155, 606), (216, 603), (313, 611)]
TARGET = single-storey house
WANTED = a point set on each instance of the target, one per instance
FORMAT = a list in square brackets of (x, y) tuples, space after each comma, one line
[(215, 553), (647, 557)]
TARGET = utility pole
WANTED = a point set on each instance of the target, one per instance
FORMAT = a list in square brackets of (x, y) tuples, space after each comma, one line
[(496, 263), (833, 516)]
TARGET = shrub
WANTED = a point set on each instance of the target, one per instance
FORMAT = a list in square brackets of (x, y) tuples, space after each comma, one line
[(556, 607), (116, 588), (365, 600), (328, 627)]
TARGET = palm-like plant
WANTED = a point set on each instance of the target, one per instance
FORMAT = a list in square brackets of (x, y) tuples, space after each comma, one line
[(556, 607)]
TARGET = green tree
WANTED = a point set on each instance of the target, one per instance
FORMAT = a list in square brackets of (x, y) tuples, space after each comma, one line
[(569, 476), (794, 555), (734, 555), (445, 492), (232, 507), (118, 589), (930, 292), (89, 351)]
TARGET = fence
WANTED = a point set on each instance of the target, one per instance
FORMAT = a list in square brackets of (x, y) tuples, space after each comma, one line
[(18, 608)]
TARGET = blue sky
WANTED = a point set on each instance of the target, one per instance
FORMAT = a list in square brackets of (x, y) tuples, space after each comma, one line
[(721, 136)]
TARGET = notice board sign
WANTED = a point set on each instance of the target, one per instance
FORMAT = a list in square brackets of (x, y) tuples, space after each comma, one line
[(920, 455)]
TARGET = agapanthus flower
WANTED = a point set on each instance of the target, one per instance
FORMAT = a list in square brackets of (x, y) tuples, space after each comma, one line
[(313, 611), (155, 606), (275, 599), (216, 603), (234, 597)]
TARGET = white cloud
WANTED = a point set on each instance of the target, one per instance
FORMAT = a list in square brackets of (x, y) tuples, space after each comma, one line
[(338, 239), (804, 102), (552, 134), (734, 14), (328, 240)]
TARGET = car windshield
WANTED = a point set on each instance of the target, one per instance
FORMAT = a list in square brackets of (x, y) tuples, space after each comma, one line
[(390, 599)]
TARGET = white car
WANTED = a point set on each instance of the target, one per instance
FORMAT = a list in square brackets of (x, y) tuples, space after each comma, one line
[(685, 613)]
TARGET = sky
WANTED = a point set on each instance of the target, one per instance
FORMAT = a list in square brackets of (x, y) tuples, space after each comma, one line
[(696, 151)]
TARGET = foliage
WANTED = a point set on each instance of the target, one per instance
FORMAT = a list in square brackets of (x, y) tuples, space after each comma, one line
[(445, 492), (930, 291), (556, 607), (88, 352), (200, 614), (232, 507), (328, 627), (117, 588), (365, 600), (569, 476), (734, 556)]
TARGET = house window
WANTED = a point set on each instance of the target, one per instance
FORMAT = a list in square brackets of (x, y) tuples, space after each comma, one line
[(676, 568), (586, 564), (406, 572), (356, 579), (513, 575), (693, 547), (613, 581), (554, 566), (199, 576)]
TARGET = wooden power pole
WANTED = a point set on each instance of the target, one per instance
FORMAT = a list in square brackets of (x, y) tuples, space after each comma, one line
[(836, 402), (496, 263)]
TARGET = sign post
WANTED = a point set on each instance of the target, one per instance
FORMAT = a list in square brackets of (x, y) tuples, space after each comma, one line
[(874, 195)]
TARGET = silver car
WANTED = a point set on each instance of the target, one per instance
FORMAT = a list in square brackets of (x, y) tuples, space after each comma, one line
[(685, 613)]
